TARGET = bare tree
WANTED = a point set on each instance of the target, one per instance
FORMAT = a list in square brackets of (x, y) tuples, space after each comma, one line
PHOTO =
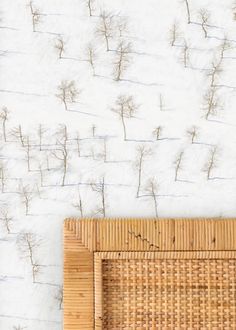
[(185, 54), (79, 204), (26, 195), (125, 108), (211, 163), (104, 153), (214, 72), (2, 176), (122, 59), (48, 163), (28, 243), (41, 174), (193, 133), (28, 153), (41, 130), (91, 55), (68, 92), (17, 133), (93, 130), (62, 133), (60, 46), (18, 327), (178, 164), (142, 152), (106, 27), (174, 34), (234, 10), (90, 5), (5, 218), (224, 46), (151, 189), (188, 11), (211, 103), (161, 103), (99, 188), (122, 25), (61, 153), (157, 132), (35, 15), (59, 297), (204, 16), (4, 117), (78, 144)]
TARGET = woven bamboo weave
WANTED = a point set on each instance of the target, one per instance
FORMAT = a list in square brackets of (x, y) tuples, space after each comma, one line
[(140, 274)]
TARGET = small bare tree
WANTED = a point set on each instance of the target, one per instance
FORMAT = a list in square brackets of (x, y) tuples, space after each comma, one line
[(122, 25), (18, 327), (178, 164), (214, 72), (122, 59), (211, 163), (41, 172), (161, 102), (79, 204), (106, 27), (5, 218), (151, 189), (91, 56), (224, 46), (61, 153), (35, 15), (16, 132), (27, 150), (211, 103), (99, 188), (41, 130), (234, 10), (174, 34), (59, 297), (185, 54), (104, 153), (188, 11), (125, 108), (93, 129), (60, 46), (68, 92), (142, 152), (90, 5), (26, 195), (78, 144), (28, 243), (157, 132), (193, 134), (2, 176), (4, 118), (204, 16)]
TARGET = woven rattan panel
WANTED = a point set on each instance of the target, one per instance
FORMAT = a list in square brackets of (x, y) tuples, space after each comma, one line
[(169, 294)]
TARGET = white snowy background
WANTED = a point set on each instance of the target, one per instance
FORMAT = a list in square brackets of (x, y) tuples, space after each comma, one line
[(179, 157)]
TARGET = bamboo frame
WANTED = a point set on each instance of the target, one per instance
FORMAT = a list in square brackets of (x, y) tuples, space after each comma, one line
[(95, 249)]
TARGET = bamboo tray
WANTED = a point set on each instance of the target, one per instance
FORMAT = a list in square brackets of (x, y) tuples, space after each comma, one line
[(149, 274)]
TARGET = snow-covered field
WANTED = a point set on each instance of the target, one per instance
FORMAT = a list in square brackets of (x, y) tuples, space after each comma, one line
[(169, 85)]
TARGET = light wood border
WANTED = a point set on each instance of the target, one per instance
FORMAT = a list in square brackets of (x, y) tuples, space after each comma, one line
[(189, 238)]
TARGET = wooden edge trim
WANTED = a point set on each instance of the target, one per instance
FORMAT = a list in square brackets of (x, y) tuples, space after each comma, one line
[(98, 297), (167, 255), (78, 289)]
